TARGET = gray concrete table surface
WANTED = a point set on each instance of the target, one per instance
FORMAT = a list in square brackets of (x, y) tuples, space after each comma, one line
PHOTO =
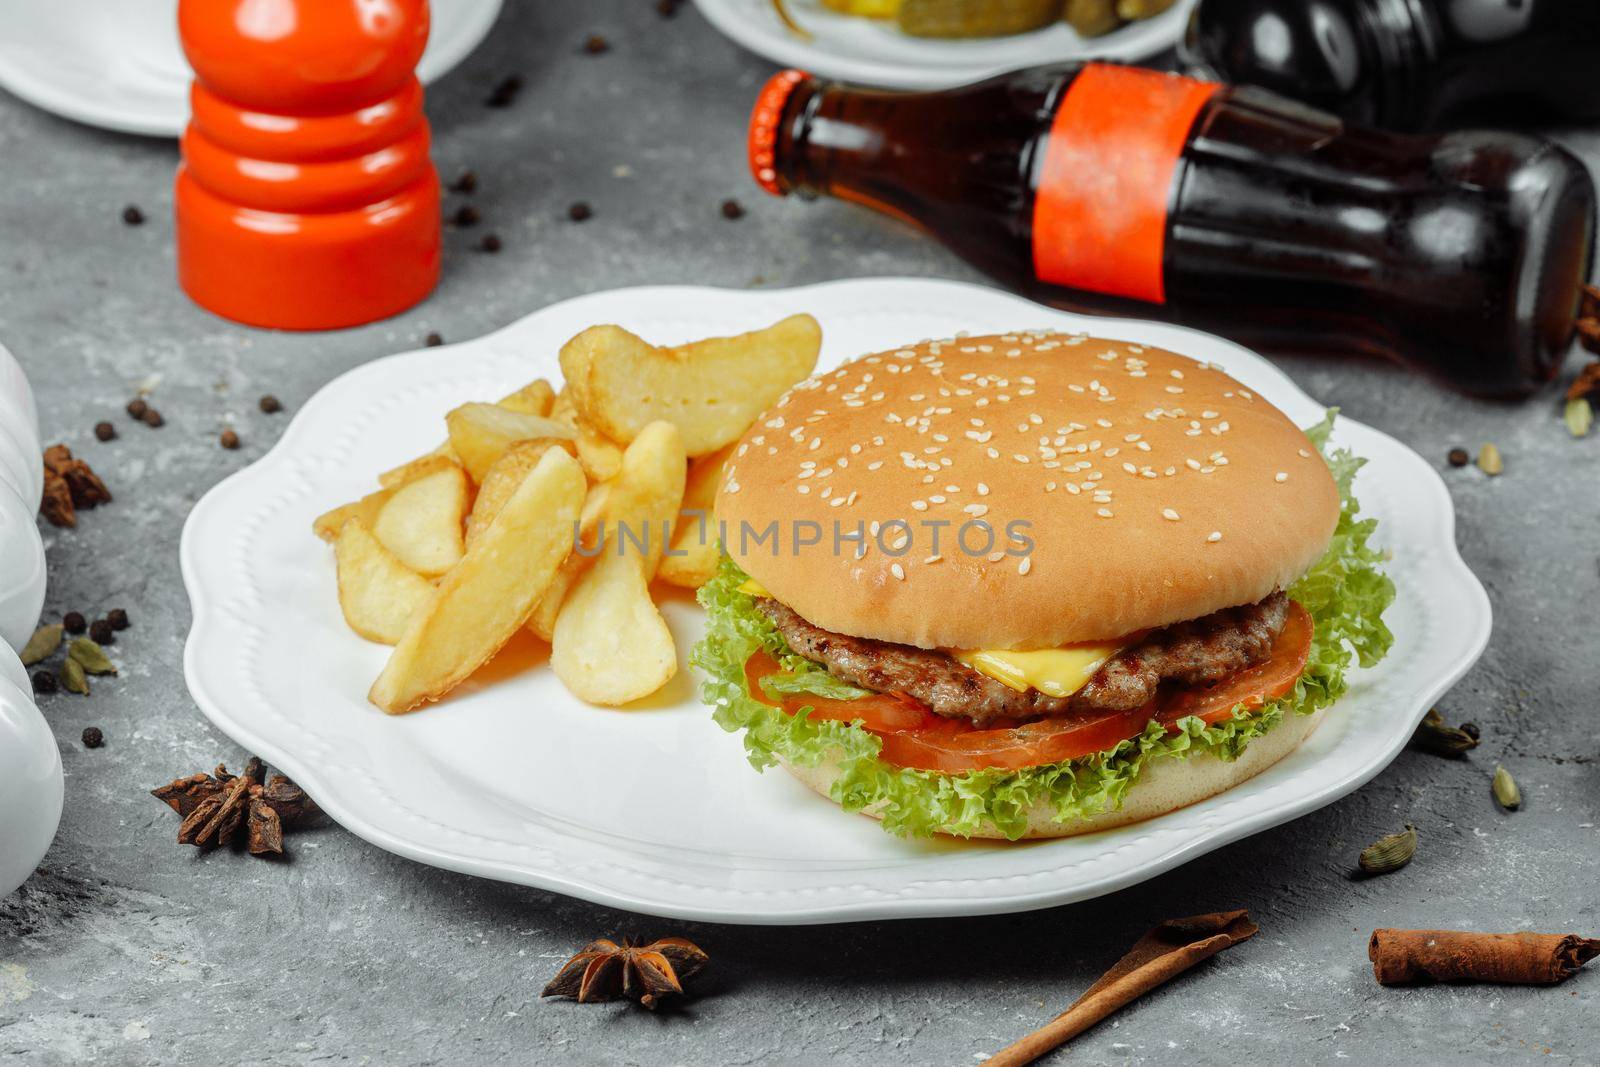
[(127, 948)]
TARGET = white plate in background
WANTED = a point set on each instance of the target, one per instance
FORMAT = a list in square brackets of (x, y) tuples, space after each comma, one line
[(654, 809), (117, 64), (874, 52)]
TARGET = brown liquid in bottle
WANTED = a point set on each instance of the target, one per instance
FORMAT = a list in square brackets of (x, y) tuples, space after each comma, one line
[(1282, 227)]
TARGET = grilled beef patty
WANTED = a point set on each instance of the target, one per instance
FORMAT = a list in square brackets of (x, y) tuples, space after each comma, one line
[(1202, 650)]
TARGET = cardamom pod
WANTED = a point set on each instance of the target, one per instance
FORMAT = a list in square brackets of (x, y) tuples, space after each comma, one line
[(1489, 460), (1579, 416), (42, 645), (1506, 793), (1389, 853), (90, 656), (73, 680), (1436, 736)]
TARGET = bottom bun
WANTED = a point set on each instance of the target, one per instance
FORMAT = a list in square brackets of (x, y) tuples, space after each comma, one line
[(1165, 784)]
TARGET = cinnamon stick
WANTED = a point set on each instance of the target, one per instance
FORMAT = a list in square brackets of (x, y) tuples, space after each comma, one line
[(1160, 955), (1408, 957)]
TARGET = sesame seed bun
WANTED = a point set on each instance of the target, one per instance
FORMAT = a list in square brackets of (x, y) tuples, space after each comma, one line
[(1154, 489), (1163, 784)]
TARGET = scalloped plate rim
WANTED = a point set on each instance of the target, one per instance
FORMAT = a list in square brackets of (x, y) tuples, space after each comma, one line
[(653, 895)]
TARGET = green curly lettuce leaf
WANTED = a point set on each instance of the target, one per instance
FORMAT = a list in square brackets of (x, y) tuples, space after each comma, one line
[(1345, 592)]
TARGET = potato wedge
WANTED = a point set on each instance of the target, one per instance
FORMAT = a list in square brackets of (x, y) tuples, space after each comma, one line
[(480, 604), (543, 620), (421, 522), (691, 559), (610, 644), (417, 468), (329, 523), (377, 593), (535, 398), (501, 481), (481, 433), (712, 390), (600, 455), (564, 410)]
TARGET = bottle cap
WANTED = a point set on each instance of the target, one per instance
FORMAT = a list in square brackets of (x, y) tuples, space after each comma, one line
[(764, 119)]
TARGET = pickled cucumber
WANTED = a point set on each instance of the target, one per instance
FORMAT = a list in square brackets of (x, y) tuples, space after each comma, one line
[(872, 9), (975, 18), (1095, 18), (1091, 18)]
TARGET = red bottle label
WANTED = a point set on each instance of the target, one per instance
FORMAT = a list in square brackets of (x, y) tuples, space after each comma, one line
[(1100, 212)]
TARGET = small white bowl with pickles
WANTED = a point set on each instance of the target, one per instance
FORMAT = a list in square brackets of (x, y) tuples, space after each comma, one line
[(826, 39)]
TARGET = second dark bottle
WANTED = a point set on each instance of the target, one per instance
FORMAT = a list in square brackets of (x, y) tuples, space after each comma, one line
[(1409, 64)]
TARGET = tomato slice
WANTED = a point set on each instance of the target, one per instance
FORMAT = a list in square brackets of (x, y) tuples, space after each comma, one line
[(915, 737), (879, 712), (1254, 686)]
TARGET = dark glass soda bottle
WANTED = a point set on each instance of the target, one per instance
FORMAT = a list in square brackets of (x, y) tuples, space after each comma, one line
[(1408, 64), (1116, 190)]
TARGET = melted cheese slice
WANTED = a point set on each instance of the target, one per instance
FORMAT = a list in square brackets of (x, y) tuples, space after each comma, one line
[(1055, 672)]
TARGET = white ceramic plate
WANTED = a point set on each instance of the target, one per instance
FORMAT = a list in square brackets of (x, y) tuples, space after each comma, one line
[(874, 52), (117, 63), (654, 808)]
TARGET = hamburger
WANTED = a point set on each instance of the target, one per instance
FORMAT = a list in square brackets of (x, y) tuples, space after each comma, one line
[(1033, 585)]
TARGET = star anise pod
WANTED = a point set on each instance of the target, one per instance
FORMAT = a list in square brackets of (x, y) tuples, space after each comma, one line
[(214, 806), (605, 970)]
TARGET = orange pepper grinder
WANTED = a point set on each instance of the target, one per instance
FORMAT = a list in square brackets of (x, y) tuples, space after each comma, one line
[(306, 199)]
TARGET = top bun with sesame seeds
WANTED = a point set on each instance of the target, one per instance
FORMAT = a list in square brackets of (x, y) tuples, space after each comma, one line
[(1022, 491)]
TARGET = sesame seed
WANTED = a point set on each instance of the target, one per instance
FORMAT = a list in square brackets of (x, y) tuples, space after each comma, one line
[(898, 571), (1169, 514), (983, 490), (1281, 476), (1026, 565), (996, 557), (1214, 536), (933, 559), (976, 510), (1104, 513), (1304, 454)]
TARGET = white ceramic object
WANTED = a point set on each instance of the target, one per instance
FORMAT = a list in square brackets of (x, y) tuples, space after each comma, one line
[(20, 464), (117, 64), (874, 52), (22, 574), (30, 778), (655, 809)]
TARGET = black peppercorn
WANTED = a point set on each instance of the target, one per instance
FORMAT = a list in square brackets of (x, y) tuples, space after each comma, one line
[(490, 242), (74, 622), (92, 737), (101, 633), (1471, 730), (44, 683), (229, 440), (104, 431), (732, 209), (118, 618), (433, 340), (466, 215), (596, 45), (132, 215), (579, 211), (152, 418), (466, 182), (505, 91), (1459, 457), (137, 407), (667, 8), (270, 404)]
